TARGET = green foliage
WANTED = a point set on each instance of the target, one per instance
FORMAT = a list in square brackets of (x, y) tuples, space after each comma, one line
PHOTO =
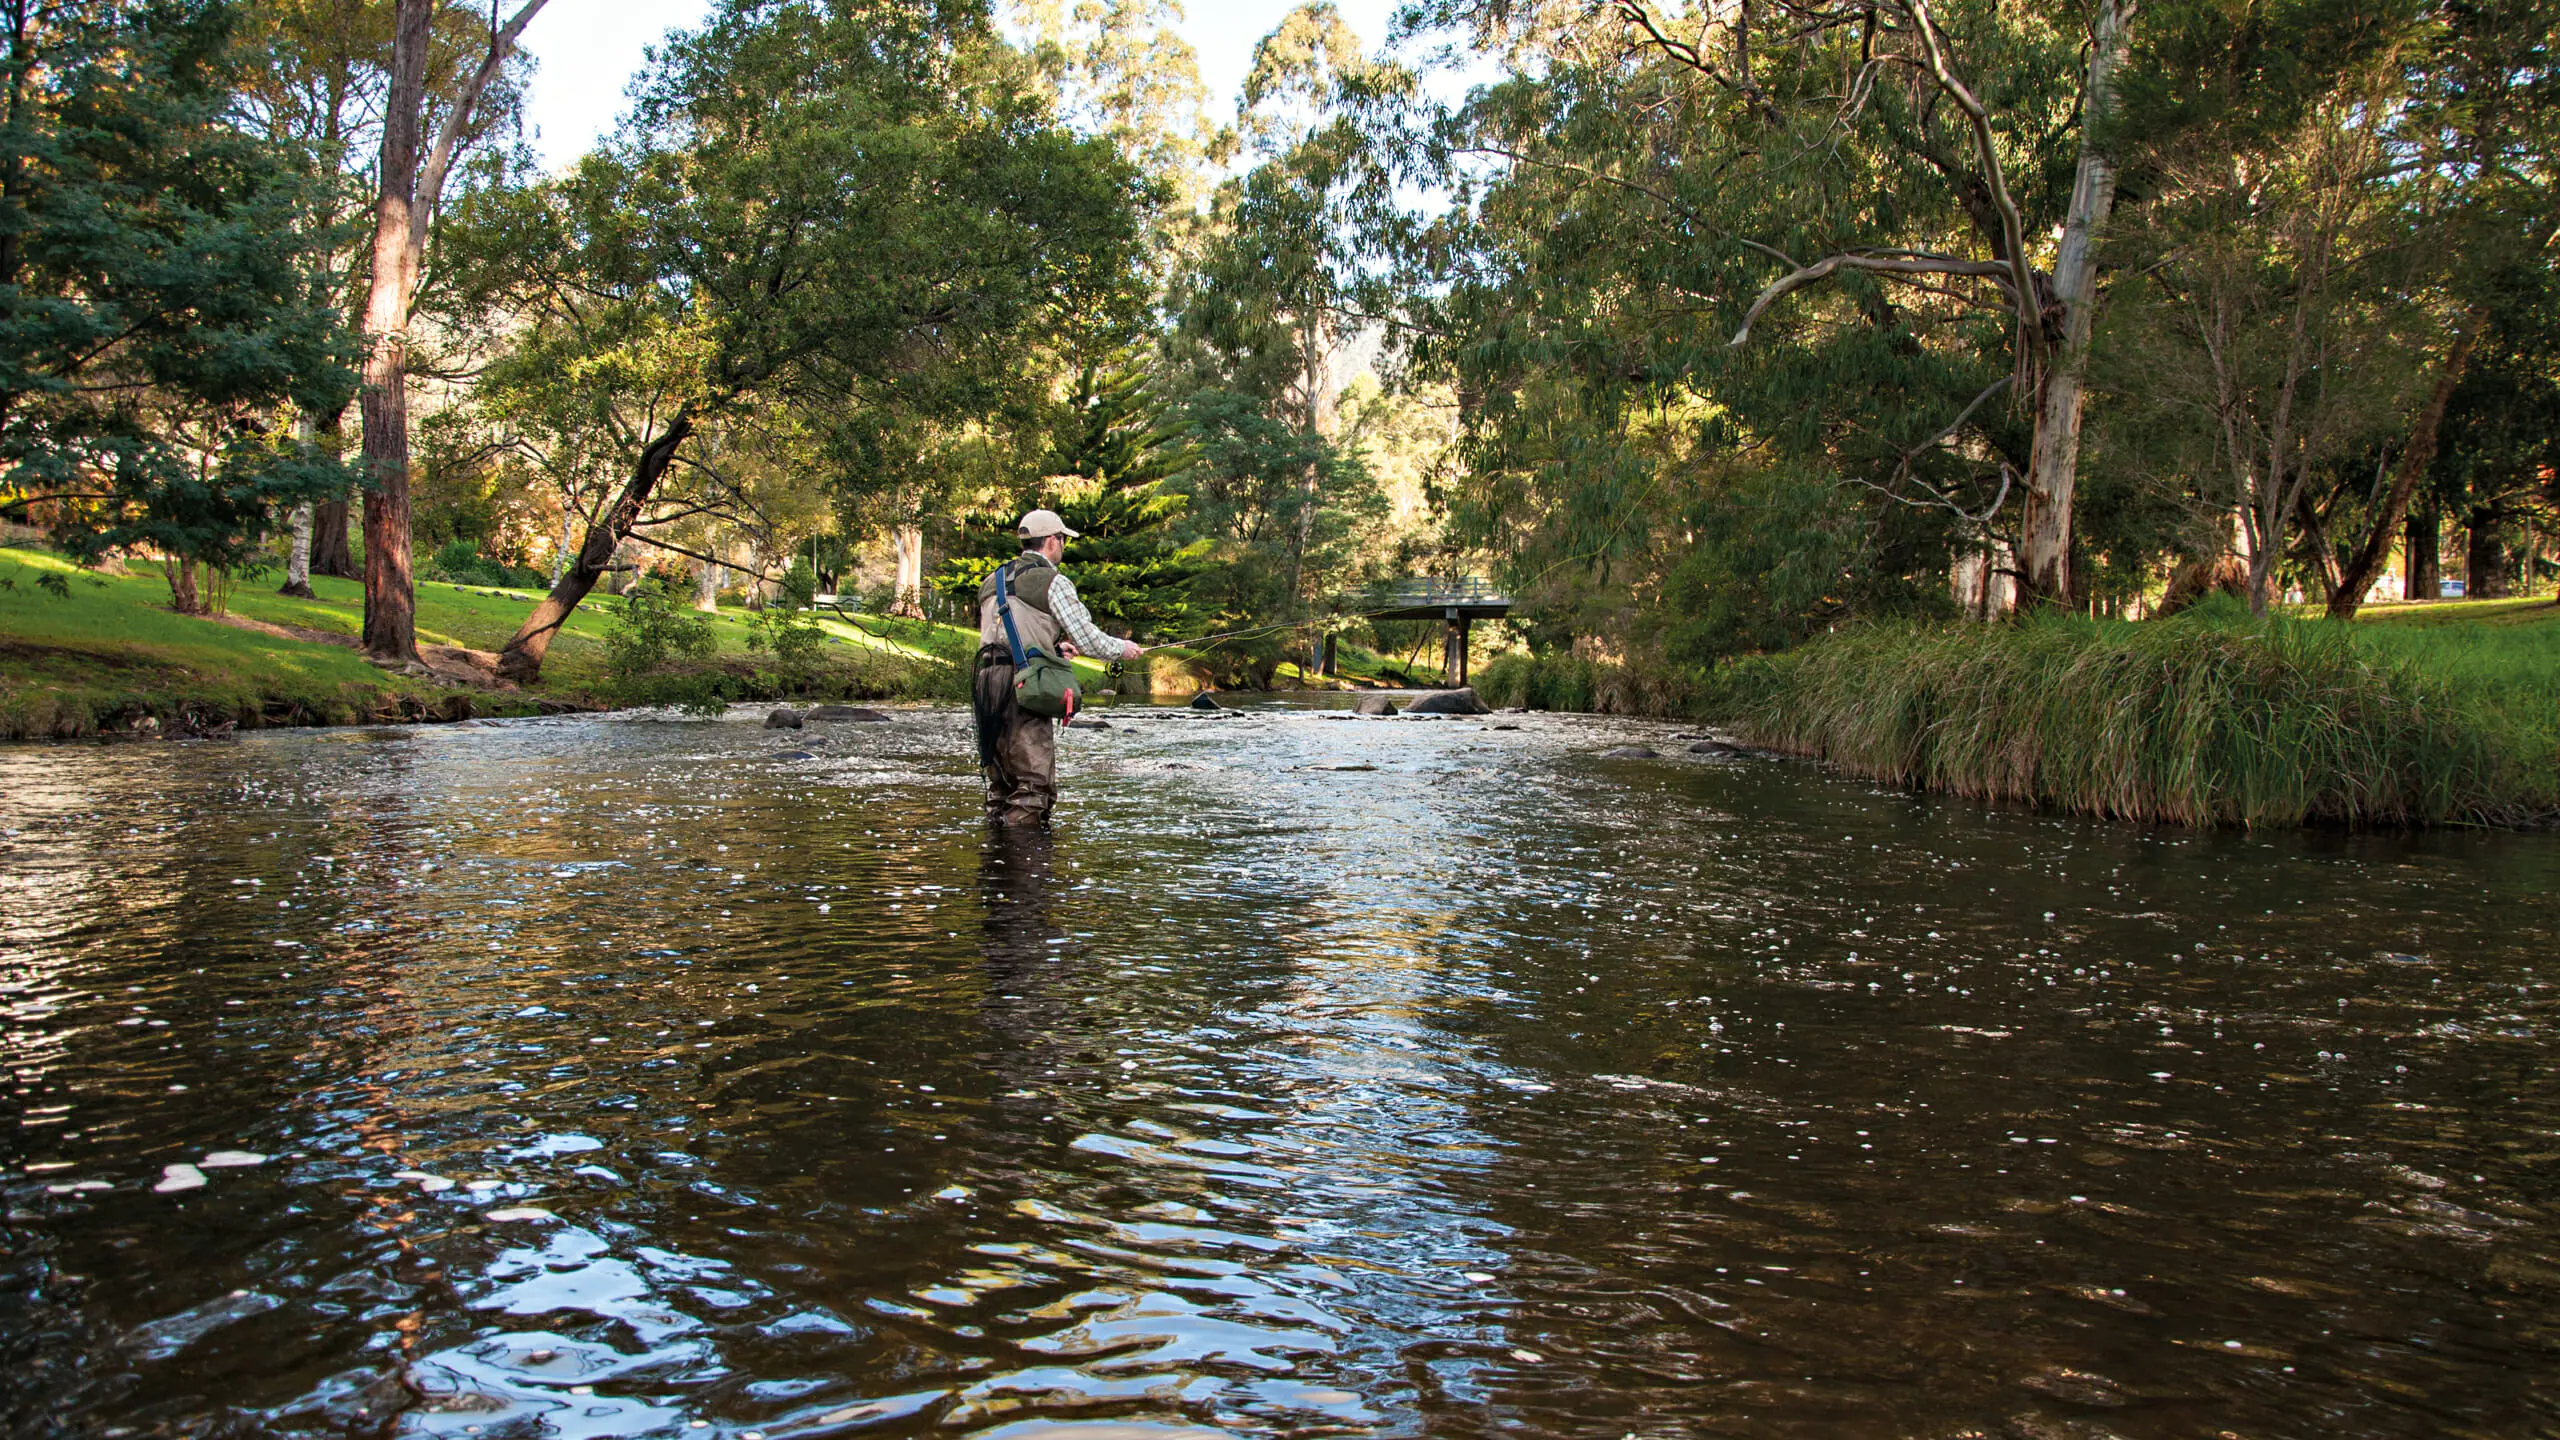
[(787, 632), (459, 562), (2210, 718), (648, 647), (1116, 475), (838, 242), (160, 315), (1591, 687)]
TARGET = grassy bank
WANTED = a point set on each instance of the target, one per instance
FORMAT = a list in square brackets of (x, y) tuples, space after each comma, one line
[(2426, 715), (2211, 718), (108, 654)]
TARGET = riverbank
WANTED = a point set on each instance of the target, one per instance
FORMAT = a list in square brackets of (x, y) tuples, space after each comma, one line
[(84, 654), (2213, 718)]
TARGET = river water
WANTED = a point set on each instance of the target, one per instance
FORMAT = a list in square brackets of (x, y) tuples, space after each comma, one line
[(596, 1077)]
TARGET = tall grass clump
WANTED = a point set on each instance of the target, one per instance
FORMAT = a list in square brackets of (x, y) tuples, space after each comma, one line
[(2212, 718), (1596, 687)]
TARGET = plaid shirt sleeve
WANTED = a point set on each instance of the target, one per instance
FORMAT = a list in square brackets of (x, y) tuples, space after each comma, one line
[(1079, 622)]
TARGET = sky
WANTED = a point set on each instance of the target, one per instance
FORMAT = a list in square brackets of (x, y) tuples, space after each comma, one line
[(589, 50)]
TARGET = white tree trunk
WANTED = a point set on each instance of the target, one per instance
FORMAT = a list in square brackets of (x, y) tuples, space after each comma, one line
[(909, 586), (297, 561), (706, 594), (2053, 470), (568, 540)]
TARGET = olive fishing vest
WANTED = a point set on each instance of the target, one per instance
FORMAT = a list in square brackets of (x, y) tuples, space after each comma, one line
[(1031, 576)]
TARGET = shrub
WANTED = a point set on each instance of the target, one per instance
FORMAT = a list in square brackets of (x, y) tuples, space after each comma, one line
[(648, 637), (788, 631)]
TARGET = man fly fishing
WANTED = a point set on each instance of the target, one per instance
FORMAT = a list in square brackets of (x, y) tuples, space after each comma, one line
[(1030, 623)]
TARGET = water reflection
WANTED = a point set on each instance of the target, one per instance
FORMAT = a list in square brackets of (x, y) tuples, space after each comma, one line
[(615, 1077)]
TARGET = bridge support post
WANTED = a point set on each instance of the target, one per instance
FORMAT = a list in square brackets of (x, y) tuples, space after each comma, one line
[(1453, 649)]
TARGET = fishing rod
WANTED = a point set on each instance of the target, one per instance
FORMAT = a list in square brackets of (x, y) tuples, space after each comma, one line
[(1260, 629)]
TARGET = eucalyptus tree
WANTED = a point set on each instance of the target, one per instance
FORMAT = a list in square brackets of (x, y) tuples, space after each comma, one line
[(314, 76), (859, 212), (2265, 345), (421, 141), (2478, 133), (1941, 172), (1283, 282)]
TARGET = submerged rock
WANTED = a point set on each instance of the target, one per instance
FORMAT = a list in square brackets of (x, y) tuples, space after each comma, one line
[(795, 755), (1631, 752), (855, 714), (1714, 747), (1083, 724), (1206, 701), (1375, 705), (783, 720), (1461, 701)]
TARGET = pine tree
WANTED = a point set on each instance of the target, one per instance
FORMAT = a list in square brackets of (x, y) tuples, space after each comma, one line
[(1109, 474), (154, 281)]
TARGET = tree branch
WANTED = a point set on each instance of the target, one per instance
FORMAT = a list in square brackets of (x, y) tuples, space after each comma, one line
[(1878, 264), (440, 159)]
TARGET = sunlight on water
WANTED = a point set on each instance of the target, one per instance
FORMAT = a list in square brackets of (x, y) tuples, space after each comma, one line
[(601, 1077)]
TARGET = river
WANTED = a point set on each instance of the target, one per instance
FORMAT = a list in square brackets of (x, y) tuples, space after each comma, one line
[(1319, 1075)]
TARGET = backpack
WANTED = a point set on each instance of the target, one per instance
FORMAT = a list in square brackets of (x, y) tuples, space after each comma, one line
[(1043, 684)]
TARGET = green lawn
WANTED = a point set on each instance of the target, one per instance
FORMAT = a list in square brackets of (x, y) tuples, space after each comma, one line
[(112, 653)]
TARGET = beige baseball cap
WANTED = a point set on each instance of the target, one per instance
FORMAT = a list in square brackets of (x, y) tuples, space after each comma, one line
[(1040, 524)]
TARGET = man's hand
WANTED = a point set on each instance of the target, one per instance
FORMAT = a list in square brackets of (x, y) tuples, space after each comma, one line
[(1067, 649), (1134, 651)]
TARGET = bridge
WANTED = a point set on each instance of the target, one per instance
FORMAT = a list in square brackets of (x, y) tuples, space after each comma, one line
[(1457, 601)]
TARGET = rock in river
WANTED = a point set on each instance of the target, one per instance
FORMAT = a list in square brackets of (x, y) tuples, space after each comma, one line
[(1714, 747), (1631, 752), (1461, 701), (1376, 705), (783, 720), (1206, 701), (853, 713)]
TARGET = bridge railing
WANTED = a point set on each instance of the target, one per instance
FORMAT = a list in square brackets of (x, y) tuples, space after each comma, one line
[(1432, 590)]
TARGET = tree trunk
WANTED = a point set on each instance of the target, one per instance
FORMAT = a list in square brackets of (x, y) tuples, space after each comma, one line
[(2484, 558), (2420, 563), (183, 595), (2359, 573), (521, 661), (706, 590), (331, 555), (390, 591), (2315, 538), (2053, 466), (405, 201), (297, 561), (908, 589)]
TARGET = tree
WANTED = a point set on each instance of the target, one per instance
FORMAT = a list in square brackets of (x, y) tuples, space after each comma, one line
[(859, 212), (2477, 122), (312, 77), (1268, 313), (418, 154), (156, 260), (2266, 342), (1113, 476)]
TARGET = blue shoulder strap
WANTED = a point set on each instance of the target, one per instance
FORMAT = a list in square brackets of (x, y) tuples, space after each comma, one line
[(1004, 607)]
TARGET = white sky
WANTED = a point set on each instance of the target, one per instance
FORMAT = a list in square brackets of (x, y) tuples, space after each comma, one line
[(590, 49)]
